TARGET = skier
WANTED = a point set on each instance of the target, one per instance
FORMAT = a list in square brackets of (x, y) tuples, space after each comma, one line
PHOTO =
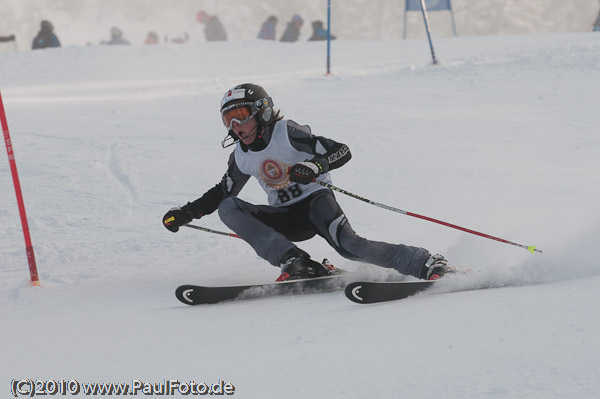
[(285, 158)]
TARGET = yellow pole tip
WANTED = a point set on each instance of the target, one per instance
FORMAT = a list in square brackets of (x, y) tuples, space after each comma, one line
[(531, 248)]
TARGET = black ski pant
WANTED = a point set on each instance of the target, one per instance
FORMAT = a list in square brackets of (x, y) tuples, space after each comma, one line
[(272, 230)]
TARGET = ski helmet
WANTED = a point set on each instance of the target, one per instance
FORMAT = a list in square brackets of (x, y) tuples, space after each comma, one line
[(244, 102)]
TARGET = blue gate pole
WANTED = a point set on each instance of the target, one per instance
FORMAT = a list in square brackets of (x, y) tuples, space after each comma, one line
[(424, 11), (328, 36), (452, 17)]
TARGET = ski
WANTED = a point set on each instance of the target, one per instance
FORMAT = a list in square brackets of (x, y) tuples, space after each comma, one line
[(373, 292), (198, 295)]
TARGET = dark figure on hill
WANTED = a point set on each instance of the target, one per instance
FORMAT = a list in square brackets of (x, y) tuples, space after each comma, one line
[(292, 31), (45, 37), (319, 33), (151, 38), (596, 26), (213, 29), (116, 37), (267, 30)]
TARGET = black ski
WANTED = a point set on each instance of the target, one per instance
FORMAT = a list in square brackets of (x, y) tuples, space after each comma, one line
[(373, 292), (197, 295)]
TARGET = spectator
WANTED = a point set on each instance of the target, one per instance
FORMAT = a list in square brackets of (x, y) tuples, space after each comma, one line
[(213, 31), (10, 38), (596, 26), (292, 31), (151, 38), (319, 33), (116, 37), (45, 37), (267, 30)]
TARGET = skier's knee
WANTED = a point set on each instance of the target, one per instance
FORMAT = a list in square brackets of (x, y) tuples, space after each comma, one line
[(228, 206)]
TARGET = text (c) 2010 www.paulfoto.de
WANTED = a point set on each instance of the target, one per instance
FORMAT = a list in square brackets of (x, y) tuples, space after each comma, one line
[(31, 388)]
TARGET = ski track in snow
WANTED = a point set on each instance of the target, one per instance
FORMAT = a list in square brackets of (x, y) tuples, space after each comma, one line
[(114, 164)]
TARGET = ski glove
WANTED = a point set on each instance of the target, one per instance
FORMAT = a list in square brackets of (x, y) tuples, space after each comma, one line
[(305, 172), (177, 217)]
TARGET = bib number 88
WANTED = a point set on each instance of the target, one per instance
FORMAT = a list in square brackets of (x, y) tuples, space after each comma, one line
[(287, 194)]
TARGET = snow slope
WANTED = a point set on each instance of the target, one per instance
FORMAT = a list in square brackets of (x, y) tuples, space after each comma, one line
[(501, 137)]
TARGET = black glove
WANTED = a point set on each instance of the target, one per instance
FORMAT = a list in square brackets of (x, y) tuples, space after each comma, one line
[(11, 38), (177, 217), (305, 172)]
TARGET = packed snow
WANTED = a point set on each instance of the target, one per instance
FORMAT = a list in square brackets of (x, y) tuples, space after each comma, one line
[(500, 137)]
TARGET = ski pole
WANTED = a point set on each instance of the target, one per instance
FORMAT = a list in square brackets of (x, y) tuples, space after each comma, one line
[(530, 248), (206, 229), (426, 21)]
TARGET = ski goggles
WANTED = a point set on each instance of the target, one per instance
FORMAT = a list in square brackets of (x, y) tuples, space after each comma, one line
[(242, 112)]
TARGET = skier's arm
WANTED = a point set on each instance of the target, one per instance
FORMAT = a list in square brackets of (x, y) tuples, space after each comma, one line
[(232, 183), (330, 154), (326, 154)]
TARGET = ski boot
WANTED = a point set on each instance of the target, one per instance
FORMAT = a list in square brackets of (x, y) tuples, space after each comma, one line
[(435, 267), (297, 264)]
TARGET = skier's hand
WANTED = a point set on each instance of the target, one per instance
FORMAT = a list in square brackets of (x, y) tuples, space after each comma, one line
[(305, 172), (177, 217)]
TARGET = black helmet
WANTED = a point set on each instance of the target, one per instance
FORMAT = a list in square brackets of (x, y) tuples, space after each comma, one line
[(242, 103), (248, 95)]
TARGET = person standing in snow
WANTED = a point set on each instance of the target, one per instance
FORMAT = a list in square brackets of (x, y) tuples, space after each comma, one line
[(213, 29), (319, 32), (267, 30), (596, 26), (116, 37), (292, 31), (286, 158), (45, 37), (151, 38)]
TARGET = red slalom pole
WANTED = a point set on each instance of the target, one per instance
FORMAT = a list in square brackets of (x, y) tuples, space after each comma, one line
[(13, 168), (530, 248)]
